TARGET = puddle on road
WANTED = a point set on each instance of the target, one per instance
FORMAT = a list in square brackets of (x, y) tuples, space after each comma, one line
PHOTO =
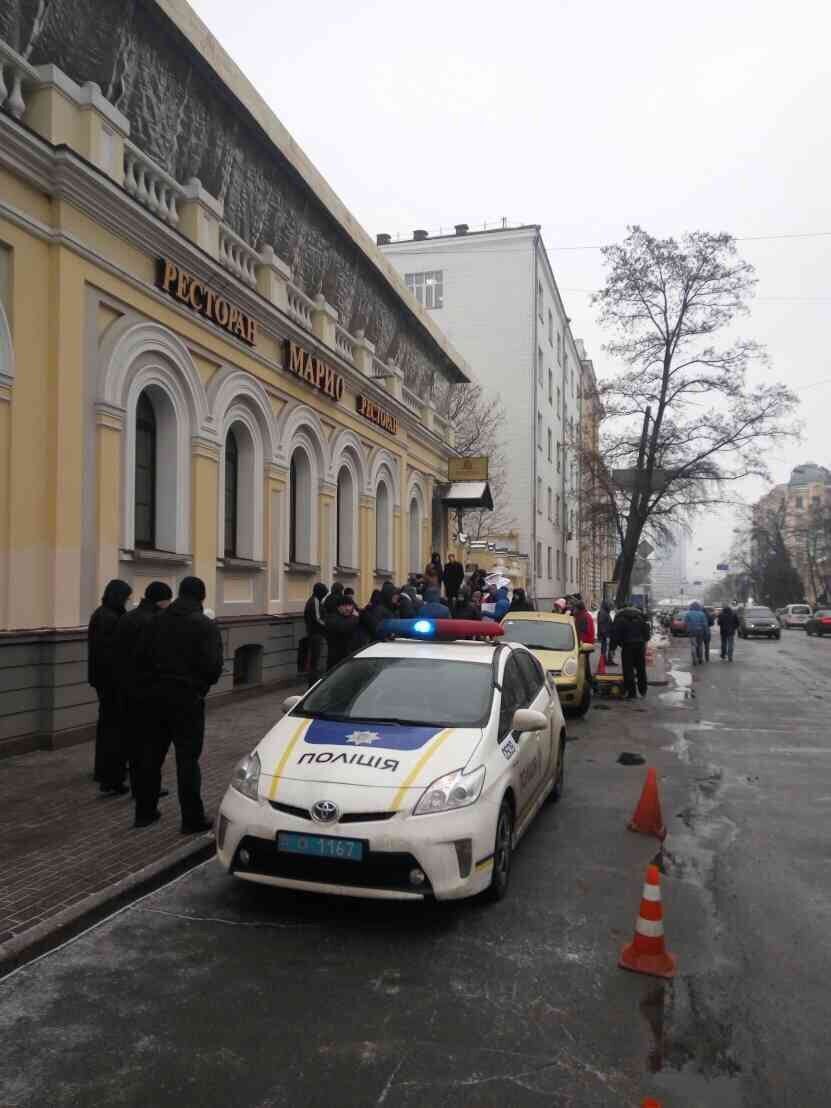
[(682, 694), (689, 1043)]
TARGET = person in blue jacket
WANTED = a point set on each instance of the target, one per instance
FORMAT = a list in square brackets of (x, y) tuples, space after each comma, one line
[(432, 608), (698, 627), (502, 604)]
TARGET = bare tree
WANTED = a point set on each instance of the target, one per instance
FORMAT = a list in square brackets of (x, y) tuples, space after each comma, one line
[(775, 578), (681, 419), (478, 420)]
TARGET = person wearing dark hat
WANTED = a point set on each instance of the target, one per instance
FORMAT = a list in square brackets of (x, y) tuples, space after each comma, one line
[(110, 759), (182, 654), (142, 732), (313, 617)]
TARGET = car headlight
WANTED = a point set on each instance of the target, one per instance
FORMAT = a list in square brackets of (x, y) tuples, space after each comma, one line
[(454, 790), (246, 778), (749, 625), (570, 667)]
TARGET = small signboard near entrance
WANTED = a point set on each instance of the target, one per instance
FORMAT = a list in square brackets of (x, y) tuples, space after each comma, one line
[(468, 469)]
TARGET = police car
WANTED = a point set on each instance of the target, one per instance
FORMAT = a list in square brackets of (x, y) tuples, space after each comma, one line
[(411, 770)]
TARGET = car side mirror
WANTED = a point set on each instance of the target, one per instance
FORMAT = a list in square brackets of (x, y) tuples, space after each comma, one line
[(526, 719), (290, 702), (586, 648)]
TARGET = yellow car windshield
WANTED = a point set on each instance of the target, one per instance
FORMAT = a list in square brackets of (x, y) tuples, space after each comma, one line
[(540, 634)]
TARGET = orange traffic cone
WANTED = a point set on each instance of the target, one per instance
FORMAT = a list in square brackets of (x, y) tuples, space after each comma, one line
[(647, 953), (601, 665), (650, 1102), (647, 818)]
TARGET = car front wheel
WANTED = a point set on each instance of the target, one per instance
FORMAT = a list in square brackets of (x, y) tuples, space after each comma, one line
[(502, 849)]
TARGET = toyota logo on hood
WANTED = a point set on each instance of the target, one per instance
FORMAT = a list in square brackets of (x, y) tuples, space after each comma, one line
[(325, 811)]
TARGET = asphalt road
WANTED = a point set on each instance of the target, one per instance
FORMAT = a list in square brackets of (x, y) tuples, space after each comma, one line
[(211, 992)]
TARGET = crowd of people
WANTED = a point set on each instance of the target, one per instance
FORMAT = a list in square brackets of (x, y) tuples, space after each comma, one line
[(152, 668)]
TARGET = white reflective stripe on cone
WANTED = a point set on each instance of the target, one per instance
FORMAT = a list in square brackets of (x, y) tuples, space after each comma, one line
[(651, 928), (652, 892)]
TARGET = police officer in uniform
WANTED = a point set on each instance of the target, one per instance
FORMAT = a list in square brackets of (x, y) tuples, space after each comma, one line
[(183, 655)]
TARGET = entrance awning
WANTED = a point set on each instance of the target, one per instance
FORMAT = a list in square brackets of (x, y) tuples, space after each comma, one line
[(467, 494)]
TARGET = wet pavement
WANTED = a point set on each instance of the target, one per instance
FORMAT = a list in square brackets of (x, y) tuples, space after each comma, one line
[(213, 992)]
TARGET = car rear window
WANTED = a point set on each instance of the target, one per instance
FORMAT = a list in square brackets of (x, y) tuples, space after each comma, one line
[(405, 690), (540, 634), (825, 612), (800, 610), (757, 613)]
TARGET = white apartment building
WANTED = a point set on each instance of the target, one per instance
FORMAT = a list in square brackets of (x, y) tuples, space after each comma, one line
[(669, 569), (494, 294)]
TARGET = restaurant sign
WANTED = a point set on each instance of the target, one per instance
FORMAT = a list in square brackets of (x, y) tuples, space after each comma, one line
[(376, 414), (191, 292), (315, 371)]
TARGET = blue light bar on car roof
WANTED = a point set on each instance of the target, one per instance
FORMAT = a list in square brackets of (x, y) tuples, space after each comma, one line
[(441, 629)]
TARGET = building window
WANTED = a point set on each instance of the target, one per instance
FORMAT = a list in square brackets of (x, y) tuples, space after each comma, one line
[(427, 288), (539, 559), (231, 494), (549, 502), (550, 386), (300, 508), (539, 430), (571, 568), (540, 305), (572, 382), (558, 401), (539, 365), (344, 552), (145, 476), (559, 456), (549, 444), (548, 563), (797, 501), (383, 528), (558, 513), (558, 565), (550, 328), (539, 495), (559, 349)]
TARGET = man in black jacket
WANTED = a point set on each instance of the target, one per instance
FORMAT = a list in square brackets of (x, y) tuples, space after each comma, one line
[(454, 575), (342, 632), (728, 625), (313, 617), (631, 632), (182, 653), (141, 725), (110, 752)]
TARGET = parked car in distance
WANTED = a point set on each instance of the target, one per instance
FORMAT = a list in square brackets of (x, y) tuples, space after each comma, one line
[(794, 615), (677, 626), (819, 623), (758, 622)]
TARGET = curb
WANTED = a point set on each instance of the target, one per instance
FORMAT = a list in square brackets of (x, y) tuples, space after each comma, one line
[(92, 909)]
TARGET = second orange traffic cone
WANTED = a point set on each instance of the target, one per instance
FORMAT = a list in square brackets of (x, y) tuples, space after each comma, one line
[(647, 952), (648, 818)]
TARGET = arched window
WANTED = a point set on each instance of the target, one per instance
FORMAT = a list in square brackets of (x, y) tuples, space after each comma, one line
[(300, 507), (415, 536), (231, 494), (383, 529), (345, 528), (145, 474)]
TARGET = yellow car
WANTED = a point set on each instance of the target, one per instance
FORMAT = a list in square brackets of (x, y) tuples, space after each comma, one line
[(553, 638)]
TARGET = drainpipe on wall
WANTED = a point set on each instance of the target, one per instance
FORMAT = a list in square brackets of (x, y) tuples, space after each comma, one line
[(535, 575)]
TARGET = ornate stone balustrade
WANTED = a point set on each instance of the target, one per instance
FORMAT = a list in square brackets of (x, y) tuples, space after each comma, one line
[(148, 183), (344, 343), (411, 401), (237, 256), (300, 306), (15, 75)]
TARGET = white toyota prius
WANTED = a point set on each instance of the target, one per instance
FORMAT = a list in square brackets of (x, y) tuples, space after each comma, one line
[(411, 770)]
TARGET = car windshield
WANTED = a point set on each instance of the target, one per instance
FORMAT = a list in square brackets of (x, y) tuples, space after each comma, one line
[(403, 690), (540, 634), (758, 613)]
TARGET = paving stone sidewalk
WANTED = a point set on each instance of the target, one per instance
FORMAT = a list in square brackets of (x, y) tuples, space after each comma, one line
[(67, 849)]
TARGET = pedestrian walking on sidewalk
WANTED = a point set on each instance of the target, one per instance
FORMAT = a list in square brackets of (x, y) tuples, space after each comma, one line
[(110, 751), (728, 625), (604, 629), (631, 632), (454, 575), (140, 715), (182, 654), (698, 628)]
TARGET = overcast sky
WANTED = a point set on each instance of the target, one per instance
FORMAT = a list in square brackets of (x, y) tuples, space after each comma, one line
[(583, 117)]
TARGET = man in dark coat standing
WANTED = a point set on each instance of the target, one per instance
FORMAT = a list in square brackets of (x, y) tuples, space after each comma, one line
[(141, 725), (182, 653), (342, 632), (315, 622), (728, 625), (454, 575), (631, 632), (110, 751)]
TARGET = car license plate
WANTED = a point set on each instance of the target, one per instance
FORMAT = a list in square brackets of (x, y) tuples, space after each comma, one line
[(321, 846)]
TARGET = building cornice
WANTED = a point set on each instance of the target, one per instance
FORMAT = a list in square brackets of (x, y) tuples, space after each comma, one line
[(61, 173)]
